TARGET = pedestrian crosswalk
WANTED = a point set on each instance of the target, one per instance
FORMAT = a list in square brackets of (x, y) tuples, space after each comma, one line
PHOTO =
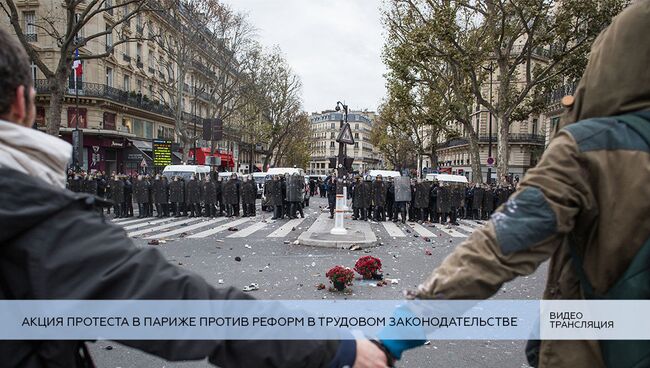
[(263, 227)]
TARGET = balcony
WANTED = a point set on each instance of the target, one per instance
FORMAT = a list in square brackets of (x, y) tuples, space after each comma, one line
[(139, 63), (152, 71), (31, 37), (512, 138), (126, 58), (130, 99), (556, 95)]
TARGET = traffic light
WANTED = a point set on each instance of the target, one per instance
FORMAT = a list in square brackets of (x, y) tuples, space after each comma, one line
[(332, 164), (212, 129), (348, 163)]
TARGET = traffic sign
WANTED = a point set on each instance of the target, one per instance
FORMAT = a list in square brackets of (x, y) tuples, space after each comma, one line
[(345, 135), (490, 161)]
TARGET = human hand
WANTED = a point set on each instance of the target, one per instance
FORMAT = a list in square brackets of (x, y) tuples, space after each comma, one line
[(369, 355)]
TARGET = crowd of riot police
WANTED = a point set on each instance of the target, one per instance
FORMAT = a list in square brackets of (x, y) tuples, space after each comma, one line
[(210, 197), (284, 195), (403, 198)]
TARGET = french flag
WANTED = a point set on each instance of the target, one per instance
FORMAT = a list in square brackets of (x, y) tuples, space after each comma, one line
[(77, 65)]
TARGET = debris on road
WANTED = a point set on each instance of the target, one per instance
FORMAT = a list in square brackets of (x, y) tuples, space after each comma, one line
[(296, 242), (153, 242), (427, 252), (238, 259), (354, 247), (233, 229), (320, 286), (247, 246), (253, 286), (220, 281), (287, 242)]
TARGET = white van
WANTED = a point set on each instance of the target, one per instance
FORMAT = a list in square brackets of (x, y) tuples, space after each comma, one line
[(284, 170), (384, 174), (447, 178), (260, 179), (186, 171)]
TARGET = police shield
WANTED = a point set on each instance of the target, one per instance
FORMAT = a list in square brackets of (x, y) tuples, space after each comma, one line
[(402, 189), (295, 188)]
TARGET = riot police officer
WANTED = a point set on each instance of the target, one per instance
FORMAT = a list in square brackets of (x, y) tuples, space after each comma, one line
[(177, 196), (231, 193), (193, 196), (379, 198), (248, 196)]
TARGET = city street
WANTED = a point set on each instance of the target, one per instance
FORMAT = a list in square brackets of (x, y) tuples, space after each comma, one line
[(262, 251)]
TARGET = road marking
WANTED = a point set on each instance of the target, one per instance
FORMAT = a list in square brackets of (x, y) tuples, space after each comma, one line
[(285, 229), (392, 229), (451, 232), (162, 227), (218, 229), (144, 224), (248, 231), (128, 220), (186, 228), (422, 230)]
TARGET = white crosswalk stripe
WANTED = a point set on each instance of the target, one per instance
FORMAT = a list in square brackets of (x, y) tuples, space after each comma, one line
[(163, 227), (451, 232), (186, 228), (145, 224), (248, 231), (392, 229), (129, 220), (284, 230), (422, 231), (218, 229)]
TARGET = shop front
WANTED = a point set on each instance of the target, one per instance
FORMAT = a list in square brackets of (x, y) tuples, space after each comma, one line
[(100, 153)]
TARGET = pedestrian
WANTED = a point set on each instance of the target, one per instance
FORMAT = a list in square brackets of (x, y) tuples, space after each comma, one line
[(584, 206), (330, 189), (77, 255), (295, 194), (128, 195)]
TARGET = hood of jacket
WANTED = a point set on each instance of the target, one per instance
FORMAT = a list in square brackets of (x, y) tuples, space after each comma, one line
[(34, 153), (26, 201), (617, 78)]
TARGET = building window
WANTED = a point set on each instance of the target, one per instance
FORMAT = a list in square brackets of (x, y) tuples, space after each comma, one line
[(331, 144), (108, 5), (30, 25), (109, 36), (139, 85), (127, 83), (534, 126), (356, 126), (109, 77), (356, 145), (32, 67), (332, 126), (356, 135)]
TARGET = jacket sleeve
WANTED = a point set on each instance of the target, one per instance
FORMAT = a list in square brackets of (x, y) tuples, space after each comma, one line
[(80, 256), (522, 233)]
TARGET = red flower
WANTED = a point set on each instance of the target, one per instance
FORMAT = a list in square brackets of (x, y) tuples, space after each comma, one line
[(340, 274), (367, 266)]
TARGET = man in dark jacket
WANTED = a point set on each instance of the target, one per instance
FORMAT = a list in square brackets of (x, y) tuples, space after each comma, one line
[(56, 246), (330, 188)]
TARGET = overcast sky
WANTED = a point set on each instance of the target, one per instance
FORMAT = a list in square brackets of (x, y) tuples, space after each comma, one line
[(333, 45)]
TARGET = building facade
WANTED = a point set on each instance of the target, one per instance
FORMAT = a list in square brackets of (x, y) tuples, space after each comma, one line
[(325, 128), (122, 105)]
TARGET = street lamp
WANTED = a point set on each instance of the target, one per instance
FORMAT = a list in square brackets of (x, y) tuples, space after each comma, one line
[(489, 172), (342, 146)]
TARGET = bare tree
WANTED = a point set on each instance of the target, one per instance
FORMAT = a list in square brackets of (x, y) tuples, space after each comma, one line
[(65, 22)]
